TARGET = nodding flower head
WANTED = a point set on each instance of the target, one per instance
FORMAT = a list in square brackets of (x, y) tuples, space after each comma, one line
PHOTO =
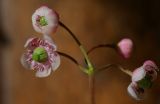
[(40, 55), (142, 78), (45, 20), (125, 47)]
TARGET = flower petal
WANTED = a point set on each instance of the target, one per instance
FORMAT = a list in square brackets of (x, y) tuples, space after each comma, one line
[(43, 73), (138, 74), (133, 91), (50, 41), (32, 43), (55, 61), (152, 65), (28, 42), (24, 62), (151, 69)]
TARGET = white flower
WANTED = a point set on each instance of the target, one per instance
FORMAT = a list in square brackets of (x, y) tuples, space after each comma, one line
[(142, 78), (45, 20), (40, 55)]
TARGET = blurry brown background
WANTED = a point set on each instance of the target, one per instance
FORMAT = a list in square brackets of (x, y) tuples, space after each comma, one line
[(94, 22)]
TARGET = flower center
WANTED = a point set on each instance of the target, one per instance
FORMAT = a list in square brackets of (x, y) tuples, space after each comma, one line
[(39, 54), (42, 21), (145, 82)]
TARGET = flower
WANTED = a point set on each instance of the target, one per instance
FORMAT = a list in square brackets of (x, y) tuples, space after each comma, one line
[(40, 55), (142, 78), (125, 47), (45, 20)]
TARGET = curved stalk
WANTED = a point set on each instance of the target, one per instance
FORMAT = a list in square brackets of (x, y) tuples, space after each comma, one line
[(71, 33), (112, 46), (105, 67), (73, 60)]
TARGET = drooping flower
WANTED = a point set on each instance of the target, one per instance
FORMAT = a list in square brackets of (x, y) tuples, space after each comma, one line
[(125, 47), (142, 78), (40, 55), (45, 20)]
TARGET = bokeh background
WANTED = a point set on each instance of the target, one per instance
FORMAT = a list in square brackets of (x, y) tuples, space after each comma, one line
[(93, 22)]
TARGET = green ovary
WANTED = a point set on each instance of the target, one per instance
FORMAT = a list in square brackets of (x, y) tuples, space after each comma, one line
[(145, 82), (43, 21), (39, 54)]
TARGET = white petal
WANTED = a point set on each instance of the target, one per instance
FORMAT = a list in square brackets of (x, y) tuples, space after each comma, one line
[(133, 93), (48, 38), (28, 41), (43, 10), (138, 74), (56, 62), (44, 73), (34, 23), (24, 62)]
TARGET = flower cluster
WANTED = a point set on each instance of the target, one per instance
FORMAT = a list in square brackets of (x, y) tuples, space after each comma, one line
[(142, 78), (40, 54)]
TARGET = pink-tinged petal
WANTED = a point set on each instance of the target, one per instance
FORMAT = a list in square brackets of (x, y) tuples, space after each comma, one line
[(32, 43), (48, 38), (50, 41), (28, 41), (151, 69), (55, 61), (152, 65), (125, 47), (43, 10), (35, 24), (138, 74), (24, 62), (43, 73), (135, 92), (40, 66)]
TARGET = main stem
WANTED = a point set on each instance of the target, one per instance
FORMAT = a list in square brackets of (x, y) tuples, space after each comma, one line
[(92, 88), (90, 69)]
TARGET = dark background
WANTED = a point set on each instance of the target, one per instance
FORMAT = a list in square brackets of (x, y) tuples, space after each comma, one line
[(93, 22)]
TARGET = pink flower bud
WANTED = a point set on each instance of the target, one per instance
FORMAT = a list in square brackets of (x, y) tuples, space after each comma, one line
[(125, 47), (45, 20)]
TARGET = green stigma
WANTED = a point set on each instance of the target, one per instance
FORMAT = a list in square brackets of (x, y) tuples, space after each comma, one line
[(145, 82), (39, 54), (43, 21)]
